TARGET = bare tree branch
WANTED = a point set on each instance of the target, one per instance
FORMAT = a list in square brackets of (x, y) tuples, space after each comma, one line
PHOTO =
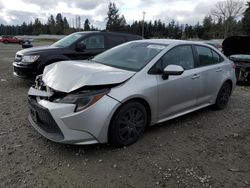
[(228, 11)]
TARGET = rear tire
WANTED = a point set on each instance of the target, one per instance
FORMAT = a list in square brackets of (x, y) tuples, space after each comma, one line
[(223, 96), (5, 42), (127, 124)]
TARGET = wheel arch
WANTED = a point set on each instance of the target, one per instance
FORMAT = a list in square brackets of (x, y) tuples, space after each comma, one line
[(230, 82), (140, 100), (51, 60), (110, 129)]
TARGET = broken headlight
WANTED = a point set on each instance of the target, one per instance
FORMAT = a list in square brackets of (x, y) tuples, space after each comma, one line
[(83, 99)]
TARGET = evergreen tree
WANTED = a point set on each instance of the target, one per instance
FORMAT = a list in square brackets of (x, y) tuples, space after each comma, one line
[(246, 20), (207, 27), (86, 25), (199, 30), (37, 27), (23, 29), (189, 32), (66, 28), (115, 22), (59, 24), (51, 24)]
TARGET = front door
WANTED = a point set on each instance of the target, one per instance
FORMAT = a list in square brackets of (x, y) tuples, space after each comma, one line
[(95, 44), (178, 94)]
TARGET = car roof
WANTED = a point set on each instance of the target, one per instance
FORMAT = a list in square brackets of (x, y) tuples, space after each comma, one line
[(111, 33), (171, 41), (175, 42)]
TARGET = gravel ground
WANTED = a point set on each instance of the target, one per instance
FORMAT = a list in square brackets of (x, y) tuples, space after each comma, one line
[(206, 148)]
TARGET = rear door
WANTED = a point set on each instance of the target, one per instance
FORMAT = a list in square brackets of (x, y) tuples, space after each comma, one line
[(211, 68), (178, 94), (114, 40)]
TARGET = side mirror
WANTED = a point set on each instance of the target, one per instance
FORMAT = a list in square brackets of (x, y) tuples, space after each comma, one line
[(172, 70), (80, 47)]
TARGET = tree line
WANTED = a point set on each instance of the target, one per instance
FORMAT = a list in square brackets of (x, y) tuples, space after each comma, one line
[(222, 22), (56, 26)]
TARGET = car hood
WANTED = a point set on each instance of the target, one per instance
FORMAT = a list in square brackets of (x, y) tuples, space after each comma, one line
[(67, 76), (236, 45), (36, 50), (240, 58)]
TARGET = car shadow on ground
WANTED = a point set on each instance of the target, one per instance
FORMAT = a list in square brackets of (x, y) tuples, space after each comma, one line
[(152, 132), (243, 83)]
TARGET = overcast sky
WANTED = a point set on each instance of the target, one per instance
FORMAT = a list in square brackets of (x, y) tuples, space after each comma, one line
[(183, 11)]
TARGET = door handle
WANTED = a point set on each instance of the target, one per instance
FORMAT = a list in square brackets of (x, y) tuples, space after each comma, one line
[(219, 70), (196, 76)]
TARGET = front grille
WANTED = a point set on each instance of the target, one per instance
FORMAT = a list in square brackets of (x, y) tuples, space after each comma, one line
[(18, 71), (24, 71), (42, 117)]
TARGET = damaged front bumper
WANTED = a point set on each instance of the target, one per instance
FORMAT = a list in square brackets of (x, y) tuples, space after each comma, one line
[(60, 123)]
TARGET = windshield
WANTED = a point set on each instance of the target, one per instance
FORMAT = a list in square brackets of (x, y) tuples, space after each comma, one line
[(131, 56), (68, 40)]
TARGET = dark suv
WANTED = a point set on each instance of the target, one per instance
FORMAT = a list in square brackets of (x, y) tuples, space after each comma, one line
[(238, 50), (77, 46)]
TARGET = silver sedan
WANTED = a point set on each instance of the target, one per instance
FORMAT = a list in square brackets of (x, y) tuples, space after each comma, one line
[(117, 94)]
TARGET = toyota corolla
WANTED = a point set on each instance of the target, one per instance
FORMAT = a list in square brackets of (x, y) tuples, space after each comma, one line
[(117, 94)]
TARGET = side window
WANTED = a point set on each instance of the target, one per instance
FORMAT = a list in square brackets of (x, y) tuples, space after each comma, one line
[(205, 56), (115, 40), (181, 55), (94, 42), (216, 57)]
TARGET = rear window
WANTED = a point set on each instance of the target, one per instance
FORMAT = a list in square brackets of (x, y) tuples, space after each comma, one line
[(216, 57), (207, 56), (115, 40)]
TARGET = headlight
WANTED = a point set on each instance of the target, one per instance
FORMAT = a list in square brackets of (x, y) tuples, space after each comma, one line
[(30, 59), (83, 99)]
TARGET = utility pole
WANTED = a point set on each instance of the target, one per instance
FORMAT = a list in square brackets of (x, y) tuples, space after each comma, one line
[(79, 22), (142, 34), (76, 22)]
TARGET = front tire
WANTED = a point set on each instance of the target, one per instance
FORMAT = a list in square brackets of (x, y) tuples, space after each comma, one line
[(128, 124), (223, 96)]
